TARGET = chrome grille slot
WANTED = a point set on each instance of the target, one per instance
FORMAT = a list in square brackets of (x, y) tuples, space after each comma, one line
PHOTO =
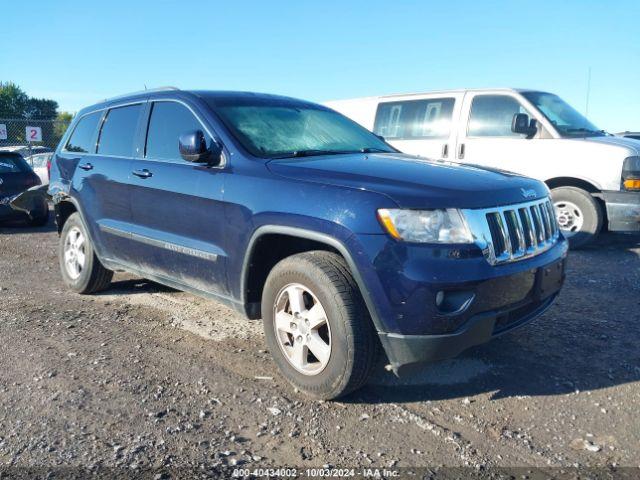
[(525, 219), (552, 217), (514, 232), (499, 245), (537, 224)]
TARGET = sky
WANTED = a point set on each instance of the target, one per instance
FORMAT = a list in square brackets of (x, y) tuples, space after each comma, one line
[(80, 52)]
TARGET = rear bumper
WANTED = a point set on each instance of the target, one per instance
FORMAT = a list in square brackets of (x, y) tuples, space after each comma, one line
[(623, 211), (9, 214)]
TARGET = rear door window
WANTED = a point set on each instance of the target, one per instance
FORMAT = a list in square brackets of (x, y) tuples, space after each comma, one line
[(13, 164), (119, 131), (415, 119), (82, 139), (168, 121)]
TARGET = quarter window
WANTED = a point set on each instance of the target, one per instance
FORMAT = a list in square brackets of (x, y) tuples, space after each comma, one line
[(491, 116), (415, 119), (119, 131), (168, 121), (82, 139)]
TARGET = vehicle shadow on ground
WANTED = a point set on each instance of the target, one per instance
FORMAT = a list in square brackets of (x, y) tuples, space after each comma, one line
[(21, 227), (135, 286), (588, 340)]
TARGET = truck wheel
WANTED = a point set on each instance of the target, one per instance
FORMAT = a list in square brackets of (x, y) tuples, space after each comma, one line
[(316, 325), (579, 215), (81, 270)]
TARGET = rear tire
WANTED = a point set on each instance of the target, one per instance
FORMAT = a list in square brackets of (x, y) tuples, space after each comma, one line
[(323, 282), (81, 270), (579, 215)]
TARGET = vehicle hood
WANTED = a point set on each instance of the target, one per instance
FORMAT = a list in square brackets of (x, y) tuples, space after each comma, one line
[(630, 144), (414, 182)]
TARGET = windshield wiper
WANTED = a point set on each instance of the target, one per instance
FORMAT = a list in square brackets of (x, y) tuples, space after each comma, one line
[(319, 152), (584, 130), (310, 153), (374, 150)]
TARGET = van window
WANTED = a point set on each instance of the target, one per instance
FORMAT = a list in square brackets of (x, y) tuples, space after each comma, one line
[(491, 116), (118, 131), (168, 121), (415, 119), (82, 138)]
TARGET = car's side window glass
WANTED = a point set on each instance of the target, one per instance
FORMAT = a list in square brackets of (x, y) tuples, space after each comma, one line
[(119, 130), (168, 121), (415, 119), (491, 116), (81, 139)]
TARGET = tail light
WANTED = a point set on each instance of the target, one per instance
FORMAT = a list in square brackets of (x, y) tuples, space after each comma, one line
[(49, 168), (631, 174)]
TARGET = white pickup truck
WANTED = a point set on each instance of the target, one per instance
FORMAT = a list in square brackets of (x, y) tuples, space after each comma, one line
[(594, 177)]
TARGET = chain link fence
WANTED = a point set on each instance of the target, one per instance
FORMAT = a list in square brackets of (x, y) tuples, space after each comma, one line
[(18, 134), (35, 140)]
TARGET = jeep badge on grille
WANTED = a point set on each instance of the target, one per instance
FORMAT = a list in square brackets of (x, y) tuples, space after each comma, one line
[(531, 193)]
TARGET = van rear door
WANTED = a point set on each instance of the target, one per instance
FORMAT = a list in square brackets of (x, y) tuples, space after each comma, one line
[(424, 126)]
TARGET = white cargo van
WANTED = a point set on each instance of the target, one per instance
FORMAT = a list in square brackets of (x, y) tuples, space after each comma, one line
[(594, 177)]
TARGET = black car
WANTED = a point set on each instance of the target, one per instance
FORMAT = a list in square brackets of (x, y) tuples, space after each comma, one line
[(16, 176)]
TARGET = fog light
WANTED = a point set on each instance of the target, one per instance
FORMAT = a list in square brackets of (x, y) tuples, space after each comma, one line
[(439, 298), (632, 184), (454, 301)]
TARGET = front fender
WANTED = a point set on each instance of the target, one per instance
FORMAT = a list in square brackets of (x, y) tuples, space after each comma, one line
[(340, 239)]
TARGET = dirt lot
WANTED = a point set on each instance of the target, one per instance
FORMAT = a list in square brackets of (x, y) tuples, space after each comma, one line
[(144, 376)]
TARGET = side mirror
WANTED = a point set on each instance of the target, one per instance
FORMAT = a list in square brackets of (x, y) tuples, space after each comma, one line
[(522, 124), (193, 148)]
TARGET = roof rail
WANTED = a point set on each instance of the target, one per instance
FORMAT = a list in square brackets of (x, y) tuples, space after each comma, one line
[(150, 90)]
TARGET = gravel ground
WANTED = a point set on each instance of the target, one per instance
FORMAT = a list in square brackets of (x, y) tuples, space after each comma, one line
[(145, 377)]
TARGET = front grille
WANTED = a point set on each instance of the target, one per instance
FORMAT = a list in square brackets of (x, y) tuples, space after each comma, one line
[(514, 232)]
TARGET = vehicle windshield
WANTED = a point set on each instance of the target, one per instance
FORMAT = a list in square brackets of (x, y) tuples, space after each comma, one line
[(566, 119), (271, 128)]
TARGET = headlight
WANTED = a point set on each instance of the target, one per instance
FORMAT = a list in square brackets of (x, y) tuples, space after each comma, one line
[(426, 226)]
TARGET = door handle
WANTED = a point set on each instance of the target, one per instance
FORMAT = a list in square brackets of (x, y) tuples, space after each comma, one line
[(461, 151), (445, 150), (144, 173), (86, 166)]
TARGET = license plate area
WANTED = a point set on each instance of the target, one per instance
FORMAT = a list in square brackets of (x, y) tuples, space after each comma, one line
[(549, 279)]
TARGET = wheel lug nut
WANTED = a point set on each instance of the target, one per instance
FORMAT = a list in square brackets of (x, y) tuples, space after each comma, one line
[(308, 337), (306, 321), (294, 326), (299, 339)]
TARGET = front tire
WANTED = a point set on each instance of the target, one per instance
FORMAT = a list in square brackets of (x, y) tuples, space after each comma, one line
[(316, 325), (579, 215), (81, 270)]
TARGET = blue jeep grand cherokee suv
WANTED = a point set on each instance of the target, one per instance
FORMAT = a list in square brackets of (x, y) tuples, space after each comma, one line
[(287, 211)]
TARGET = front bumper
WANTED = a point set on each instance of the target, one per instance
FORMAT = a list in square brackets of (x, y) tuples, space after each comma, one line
[(623, 211), (27, 204), (405, 285), (410, 349)]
